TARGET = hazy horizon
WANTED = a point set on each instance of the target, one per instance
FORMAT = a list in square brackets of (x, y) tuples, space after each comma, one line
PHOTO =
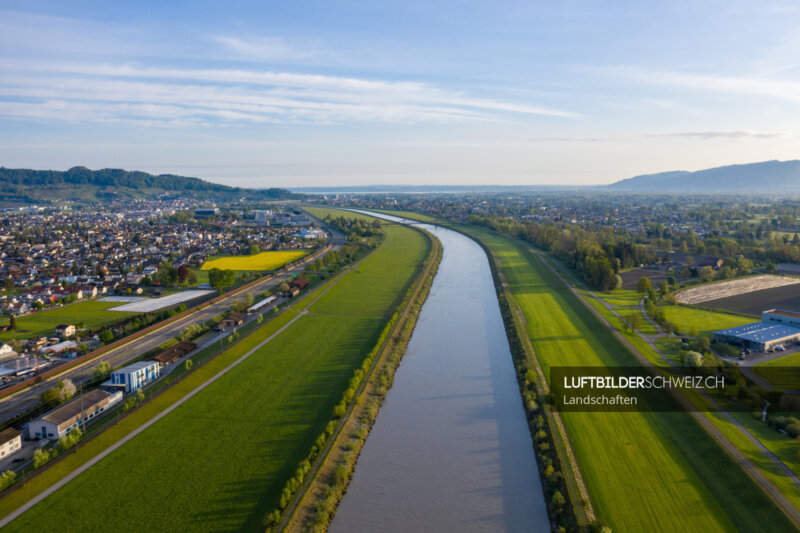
[(361, 93)]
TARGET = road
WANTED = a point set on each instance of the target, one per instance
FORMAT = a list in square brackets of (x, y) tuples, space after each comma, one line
[(23, 400)]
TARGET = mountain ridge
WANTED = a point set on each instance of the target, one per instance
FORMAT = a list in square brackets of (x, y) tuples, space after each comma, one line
[(82, 184), (760, 177)]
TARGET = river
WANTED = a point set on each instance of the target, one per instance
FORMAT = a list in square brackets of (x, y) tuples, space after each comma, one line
[(450, 449)]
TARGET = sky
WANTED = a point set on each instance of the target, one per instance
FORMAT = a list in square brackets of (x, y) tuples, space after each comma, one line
[(307, 93)]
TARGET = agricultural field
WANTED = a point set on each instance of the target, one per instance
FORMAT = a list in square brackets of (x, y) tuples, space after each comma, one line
[(262, 261), (222, 458), (656, 275), (753, 303), (735, 287), (701, 322), (91, 313), (655, 471)]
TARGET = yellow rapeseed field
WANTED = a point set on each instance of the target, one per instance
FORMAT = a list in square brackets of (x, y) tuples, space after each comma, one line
[(261, 261)]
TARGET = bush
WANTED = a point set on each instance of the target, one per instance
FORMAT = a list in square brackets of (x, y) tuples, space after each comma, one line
[(7, 479), (42, 457)]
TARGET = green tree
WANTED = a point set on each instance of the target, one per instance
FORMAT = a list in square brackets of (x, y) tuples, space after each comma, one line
[(69, 440), (693, 359), (707, 273), (106, 336), (12, 323), (635, 320), (101, 371), (42, 457), (220, 279), (50, 397), (644, 285), (663, 288), (283, 287)]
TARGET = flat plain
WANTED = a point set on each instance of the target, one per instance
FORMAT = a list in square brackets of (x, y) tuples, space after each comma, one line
[(223, 457)]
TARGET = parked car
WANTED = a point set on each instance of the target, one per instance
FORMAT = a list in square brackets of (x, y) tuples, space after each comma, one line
[(780, 347), (18, 460)]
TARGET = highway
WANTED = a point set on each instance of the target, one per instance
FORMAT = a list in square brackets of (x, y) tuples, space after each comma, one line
[(23, 400)]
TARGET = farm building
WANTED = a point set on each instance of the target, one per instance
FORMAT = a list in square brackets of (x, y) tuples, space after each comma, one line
[(300, 283), (10, 442), (73, 414), (135, 376), (173, 353), (234, 319), (777, 326)]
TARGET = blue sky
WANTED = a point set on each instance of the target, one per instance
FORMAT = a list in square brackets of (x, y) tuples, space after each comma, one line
[(359, 92)]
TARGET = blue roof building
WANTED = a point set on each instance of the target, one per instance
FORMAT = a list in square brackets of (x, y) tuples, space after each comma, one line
[(761, 336)]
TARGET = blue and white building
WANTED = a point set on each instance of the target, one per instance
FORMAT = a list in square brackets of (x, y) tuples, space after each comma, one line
[(777, 326), (135, 376)]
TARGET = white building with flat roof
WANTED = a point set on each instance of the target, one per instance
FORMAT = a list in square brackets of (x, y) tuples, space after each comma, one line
[(135, 376)]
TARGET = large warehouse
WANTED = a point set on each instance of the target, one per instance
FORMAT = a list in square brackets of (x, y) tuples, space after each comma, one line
[(777, 326)]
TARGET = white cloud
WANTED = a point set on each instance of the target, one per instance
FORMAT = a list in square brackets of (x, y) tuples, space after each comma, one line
[(267, 48), (768, 87), (241, 96), (733, 135)]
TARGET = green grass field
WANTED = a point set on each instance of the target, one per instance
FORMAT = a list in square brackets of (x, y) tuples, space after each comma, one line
[(643, 471), (621, 297), (700, 321), (261, 261), (783, 372), (220, 461), (92, 313)]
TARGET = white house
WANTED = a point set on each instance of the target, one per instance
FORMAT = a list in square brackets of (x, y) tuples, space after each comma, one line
[(10, 442), (6, 349), (135, 376), (65, 330)]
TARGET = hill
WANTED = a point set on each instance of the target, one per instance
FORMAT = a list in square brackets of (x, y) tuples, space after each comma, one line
[(84, 185), (765, 177)]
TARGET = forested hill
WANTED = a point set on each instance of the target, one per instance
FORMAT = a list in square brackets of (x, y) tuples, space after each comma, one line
[(83, 184), (779, 177)]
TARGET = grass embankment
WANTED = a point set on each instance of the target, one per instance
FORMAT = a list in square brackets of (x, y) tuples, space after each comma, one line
[(92, 313), (260, 261), (643, 471), (222, 458)]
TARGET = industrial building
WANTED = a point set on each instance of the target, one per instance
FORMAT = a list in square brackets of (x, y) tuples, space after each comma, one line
[(777, 326), (135, 376), (73, 414)]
